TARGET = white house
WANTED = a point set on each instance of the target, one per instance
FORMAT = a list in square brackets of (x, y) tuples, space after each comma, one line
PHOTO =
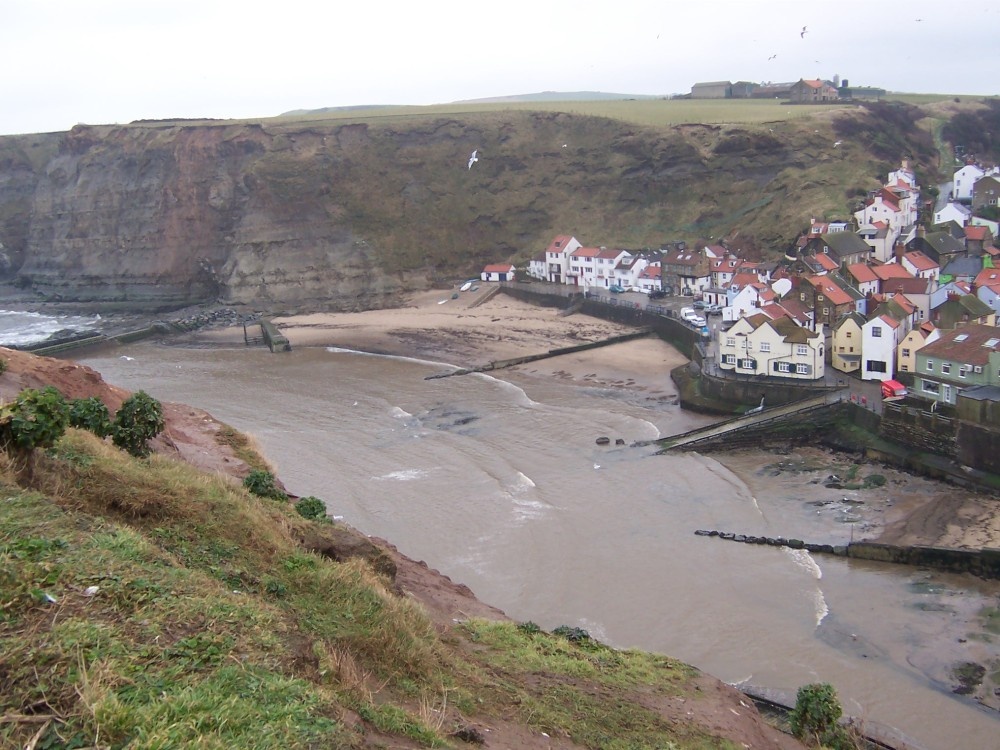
[(759, 345), (723, 270), (953, 212), (629, 269), (904, 176), (557, 257), (498, 272), (920, 265), (536, 267), (987, 286), (878, 348), (964, 179), (746, 299)]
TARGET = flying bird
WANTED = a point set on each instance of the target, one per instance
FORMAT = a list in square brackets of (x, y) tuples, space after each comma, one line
[(802, 34), (837, 143), (473, 159), (771, 58)]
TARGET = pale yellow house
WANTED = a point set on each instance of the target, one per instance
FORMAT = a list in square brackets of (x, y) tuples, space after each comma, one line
[(845, 344), (914, 341), (779, 348)]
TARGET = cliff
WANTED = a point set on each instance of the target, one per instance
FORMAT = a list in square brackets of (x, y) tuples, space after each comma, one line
[(328, 214)]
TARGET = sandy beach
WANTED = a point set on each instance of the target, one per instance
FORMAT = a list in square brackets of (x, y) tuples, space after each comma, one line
[(476, 329)]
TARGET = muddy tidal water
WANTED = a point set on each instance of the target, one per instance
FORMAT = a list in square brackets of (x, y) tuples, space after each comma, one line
[(499, 484)]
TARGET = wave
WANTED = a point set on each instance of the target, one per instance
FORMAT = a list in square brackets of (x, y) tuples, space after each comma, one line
[(403, 475), (522, 482), (804, 560), (21, 328), (397, 357)]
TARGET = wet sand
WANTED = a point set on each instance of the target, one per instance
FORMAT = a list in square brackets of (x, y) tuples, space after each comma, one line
[(474, 330)]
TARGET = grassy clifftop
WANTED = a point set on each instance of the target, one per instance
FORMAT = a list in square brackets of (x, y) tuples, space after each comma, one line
[(144, 603)]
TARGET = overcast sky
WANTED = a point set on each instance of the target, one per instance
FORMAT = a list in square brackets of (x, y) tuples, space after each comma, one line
[(64, 62)]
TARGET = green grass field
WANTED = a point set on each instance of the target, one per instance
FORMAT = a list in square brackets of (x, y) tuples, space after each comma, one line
[(653, 112)]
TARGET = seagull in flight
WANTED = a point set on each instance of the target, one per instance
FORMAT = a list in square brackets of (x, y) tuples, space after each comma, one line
[(771, 57), (473, 159), (802, 34)]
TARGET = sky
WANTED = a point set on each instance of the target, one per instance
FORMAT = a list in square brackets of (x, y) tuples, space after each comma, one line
[(64, 62)]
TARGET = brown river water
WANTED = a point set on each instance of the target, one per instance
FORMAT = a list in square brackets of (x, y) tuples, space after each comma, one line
[(499, 484)]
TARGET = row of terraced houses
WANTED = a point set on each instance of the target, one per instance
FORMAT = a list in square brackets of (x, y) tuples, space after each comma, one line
[(880, 298)]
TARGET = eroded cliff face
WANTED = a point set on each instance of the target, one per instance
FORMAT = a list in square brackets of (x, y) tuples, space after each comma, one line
[(346, 216)]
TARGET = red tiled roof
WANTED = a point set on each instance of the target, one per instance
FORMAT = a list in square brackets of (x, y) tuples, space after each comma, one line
[(559, 243), (586, 252), (498, 268), (920, 261), (889, 321), (650, 272), (971, 349), (826, 262), (888, 271), (987, 277), (834, 293), (902, 301), (977, 234), (862, 272), (609, 254)]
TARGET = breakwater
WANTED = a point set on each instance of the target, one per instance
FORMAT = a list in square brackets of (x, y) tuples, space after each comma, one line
[(984, 563), (501, 364)]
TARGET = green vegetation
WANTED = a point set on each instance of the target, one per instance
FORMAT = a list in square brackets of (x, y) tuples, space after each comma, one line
[(263, 483), (35, 419), (815, 716), (146, 604), (137, 421), (648, 112), (90, 414), (310, 507)]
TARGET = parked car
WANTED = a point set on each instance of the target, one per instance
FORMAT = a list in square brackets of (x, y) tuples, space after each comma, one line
[(698, 304), (713, 310), (657, 294), (615, 289)]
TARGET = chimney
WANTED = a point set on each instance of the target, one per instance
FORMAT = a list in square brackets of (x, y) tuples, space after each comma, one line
[(899, 251), (921, 231)]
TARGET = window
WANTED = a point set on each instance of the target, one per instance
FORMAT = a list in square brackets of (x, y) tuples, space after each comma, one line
[(729, 359), (782, 367), (876, 332), (748, 364), (946, 368), (765, 346), (929, 386), (906, 352), (730, 341), (848, 334), (875, 365), (801, 349), (801, 369), (963, 371), (826, 310), (930, 365)]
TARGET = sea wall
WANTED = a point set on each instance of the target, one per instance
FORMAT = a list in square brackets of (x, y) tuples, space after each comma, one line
[(984, 563)]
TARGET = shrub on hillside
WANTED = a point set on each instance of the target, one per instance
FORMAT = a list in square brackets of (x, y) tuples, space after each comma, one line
[(35, 419), (815, 716), (90, 414), (311, 507), (139, 420), (263, 484)]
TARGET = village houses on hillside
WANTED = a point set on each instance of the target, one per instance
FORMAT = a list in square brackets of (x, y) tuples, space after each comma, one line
[(880, 297)]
